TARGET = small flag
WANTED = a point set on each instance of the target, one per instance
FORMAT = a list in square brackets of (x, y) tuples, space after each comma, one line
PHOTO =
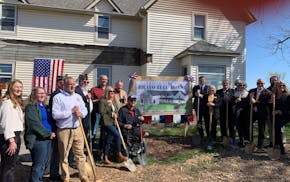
[(45, 73)]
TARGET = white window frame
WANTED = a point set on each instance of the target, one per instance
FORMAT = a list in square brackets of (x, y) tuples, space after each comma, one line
[(6, 74), (194, 26), (205, 74), (15, 19), (97, 27), (109, 68)]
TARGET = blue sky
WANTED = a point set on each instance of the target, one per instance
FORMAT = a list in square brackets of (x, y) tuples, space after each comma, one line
[(260, 60)]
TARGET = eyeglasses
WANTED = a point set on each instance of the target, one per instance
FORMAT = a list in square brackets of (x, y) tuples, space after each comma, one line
[(212, 90), (86, 82), (260, 83), (242, 85), (282, 85)]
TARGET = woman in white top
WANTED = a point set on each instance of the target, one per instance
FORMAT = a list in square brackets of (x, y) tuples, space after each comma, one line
[(11, 125)]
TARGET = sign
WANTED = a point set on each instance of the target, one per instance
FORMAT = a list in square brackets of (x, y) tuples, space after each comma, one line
[(162, 95)]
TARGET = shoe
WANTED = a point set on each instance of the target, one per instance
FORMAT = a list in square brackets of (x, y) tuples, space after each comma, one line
[(122, 158), (261, 150), (55, 178), (85, 179), (106, 160)]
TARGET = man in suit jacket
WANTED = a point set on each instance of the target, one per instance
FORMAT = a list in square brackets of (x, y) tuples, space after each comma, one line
[(82, 90), (226, 107), (199, 104), (259, 97)]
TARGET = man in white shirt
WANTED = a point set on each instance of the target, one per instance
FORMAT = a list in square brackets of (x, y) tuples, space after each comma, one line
[(67, 108)]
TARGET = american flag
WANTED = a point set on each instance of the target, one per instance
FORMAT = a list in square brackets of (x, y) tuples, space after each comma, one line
[(45, 73)]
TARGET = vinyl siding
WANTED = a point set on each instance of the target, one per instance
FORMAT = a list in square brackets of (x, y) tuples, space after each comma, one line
[(24, 72), (169, 28), (58, 27)]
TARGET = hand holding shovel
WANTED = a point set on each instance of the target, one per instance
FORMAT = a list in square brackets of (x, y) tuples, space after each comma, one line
[(273, 153), (226, 139), (250, 147)]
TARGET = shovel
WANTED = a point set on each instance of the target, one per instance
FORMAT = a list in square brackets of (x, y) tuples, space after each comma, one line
[(250, 147), (196, 140), (90, 168), (226, 139), (209, 146), (128, 163), (273, 153)]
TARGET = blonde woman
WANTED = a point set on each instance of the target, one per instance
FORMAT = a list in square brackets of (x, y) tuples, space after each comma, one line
[(38, 133), (11, 125), (109, 112)]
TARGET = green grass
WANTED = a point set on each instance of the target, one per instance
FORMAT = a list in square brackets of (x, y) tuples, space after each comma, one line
[(163, 130)]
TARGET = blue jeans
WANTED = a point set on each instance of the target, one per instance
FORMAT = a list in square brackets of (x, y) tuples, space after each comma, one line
[(112, 133), (97, 124), (40, 156)]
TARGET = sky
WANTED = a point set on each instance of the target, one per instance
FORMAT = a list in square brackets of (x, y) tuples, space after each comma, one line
[(260, 60)]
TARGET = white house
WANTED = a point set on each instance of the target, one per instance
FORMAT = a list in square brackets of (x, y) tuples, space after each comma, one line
[(118, 37)]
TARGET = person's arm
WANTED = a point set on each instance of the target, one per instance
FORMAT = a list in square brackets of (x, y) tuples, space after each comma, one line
[(7, 114), (58, 108), (82, 107), (33, 124)]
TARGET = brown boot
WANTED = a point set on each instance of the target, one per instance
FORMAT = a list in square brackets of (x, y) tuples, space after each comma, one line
[(121, 157), (106, 160)]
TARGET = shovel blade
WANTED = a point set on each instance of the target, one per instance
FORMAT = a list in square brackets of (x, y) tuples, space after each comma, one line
[(226, 141), (130, 165), (250, 148), (274, 153)]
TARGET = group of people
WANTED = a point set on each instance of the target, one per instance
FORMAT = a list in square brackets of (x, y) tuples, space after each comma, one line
[(52, 130), (238, 108)]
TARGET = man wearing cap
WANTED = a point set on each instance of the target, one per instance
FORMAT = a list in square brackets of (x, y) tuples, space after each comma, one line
[(129, 117), (82, 90)]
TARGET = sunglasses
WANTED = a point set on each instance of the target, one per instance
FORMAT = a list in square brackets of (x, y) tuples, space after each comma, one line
[(132, 100), (282, 85), (86, 82), (242, 85), (111, 91), (260, 83)]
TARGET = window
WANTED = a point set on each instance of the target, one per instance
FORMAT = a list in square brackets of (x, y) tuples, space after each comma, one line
[(199, 27), (103, 29), (7, 18), (104, 70), (5, 72), (214, 74)]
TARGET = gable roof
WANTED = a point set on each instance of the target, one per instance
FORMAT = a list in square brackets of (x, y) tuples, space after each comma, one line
[(127, 7), (131, 7), (66, 4), (203, 48)]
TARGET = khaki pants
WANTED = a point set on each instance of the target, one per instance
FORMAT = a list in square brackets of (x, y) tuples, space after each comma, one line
[(67, 139)]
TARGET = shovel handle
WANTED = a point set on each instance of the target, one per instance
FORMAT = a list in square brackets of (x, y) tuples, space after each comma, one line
[(227, 115), (251, 121), (88, 150), (273, 120), (122, 139)]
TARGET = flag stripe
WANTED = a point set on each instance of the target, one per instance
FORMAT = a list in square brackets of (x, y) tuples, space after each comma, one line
[(46, 72)]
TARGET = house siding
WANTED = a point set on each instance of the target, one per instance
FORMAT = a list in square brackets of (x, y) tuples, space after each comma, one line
[(24, 72), (58, 27), (169, 33)]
